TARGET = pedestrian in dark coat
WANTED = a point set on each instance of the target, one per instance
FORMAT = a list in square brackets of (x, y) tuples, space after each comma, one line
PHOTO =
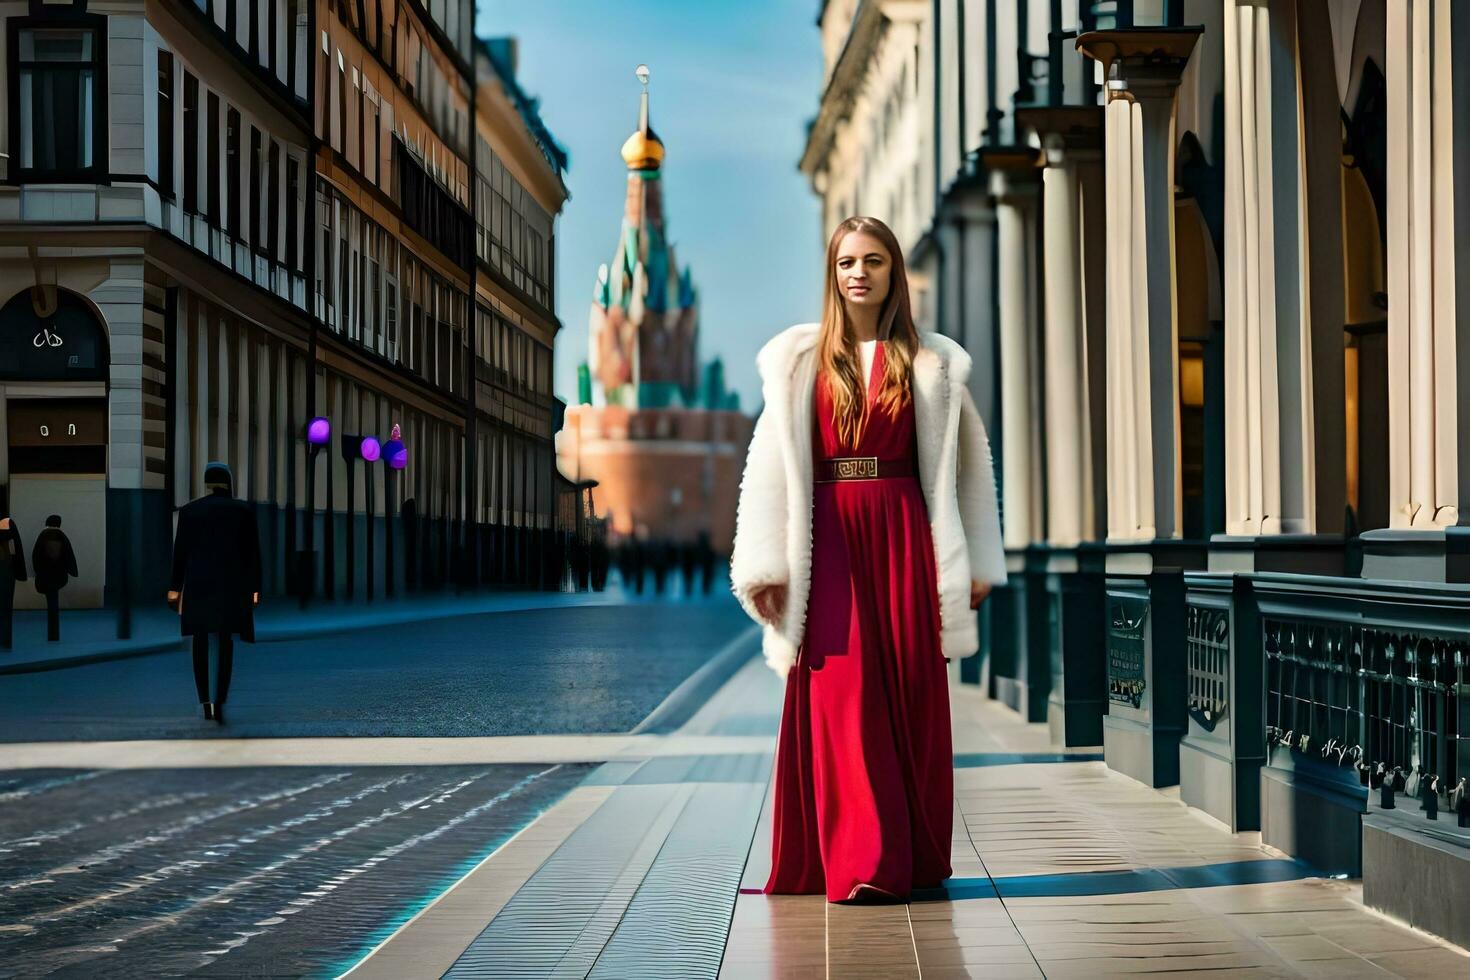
[(12, 570), (215, 583), (54, 564)]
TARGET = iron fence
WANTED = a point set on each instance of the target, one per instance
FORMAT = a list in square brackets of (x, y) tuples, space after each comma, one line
[(1389, 699)]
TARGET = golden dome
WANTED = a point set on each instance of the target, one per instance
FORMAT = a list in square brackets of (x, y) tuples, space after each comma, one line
[(643, 150)]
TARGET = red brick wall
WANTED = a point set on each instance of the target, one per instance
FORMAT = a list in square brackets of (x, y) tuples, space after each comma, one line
[(663, 473)]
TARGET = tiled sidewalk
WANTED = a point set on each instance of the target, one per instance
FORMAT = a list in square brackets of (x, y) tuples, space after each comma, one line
[(1062, 869)]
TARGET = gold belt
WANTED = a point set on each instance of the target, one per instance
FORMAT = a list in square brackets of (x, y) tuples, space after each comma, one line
[(840, 468)]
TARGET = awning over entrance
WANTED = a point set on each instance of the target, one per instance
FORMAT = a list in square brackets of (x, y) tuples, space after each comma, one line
[(66, 344)]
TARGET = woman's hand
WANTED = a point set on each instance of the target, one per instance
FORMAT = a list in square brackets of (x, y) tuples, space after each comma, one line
[(978, 593), (770, 602)]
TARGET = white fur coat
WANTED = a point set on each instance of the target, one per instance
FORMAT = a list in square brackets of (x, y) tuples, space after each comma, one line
[(773, 524)]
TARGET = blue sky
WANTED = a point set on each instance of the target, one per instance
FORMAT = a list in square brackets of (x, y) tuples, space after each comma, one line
[(732, 87)]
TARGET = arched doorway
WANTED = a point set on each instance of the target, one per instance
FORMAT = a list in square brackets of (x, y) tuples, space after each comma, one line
[(53, 413)]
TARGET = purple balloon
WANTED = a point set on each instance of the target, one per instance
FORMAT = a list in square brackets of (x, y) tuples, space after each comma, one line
[(371, 449), (319, 431), (397, 453)]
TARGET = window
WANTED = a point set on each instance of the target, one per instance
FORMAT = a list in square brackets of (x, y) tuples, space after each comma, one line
[(294, 23), (257, 233), (273, 201), (165, 123), (324, 261), (233, 199), (212, 171), (370, 139), (191, 144), (272, 31), (293, 212), (254, 34), (390, 317), (57, 96), (374, 304), (362, 322), (323, 98), (344, 304), (341, 141), (352, 136), (392, 48)]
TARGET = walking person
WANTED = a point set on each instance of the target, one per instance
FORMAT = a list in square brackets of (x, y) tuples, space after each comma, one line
[(12, 570), (54, 564), (867, 532), (215, 582)]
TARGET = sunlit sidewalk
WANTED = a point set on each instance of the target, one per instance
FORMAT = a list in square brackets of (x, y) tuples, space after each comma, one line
[(653, 867)]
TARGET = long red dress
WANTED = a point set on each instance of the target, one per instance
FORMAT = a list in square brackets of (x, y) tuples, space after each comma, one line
[(864, 785)]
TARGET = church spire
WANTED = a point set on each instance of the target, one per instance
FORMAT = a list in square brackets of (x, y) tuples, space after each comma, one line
[(643, 150)]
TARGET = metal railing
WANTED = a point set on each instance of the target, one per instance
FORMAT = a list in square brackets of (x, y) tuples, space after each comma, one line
[(1390, 699), (1127, 624), (1207, 639)]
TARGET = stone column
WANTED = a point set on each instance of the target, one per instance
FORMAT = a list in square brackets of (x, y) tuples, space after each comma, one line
[(1283, 285), (1071, 138), (1426, 146), (1144, 480), (1013, 187)]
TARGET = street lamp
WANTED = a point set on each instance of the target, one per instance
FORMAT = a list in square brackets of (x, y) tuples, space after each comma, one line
[(395, 454), (367, 449), (318, 435), (370, 450)]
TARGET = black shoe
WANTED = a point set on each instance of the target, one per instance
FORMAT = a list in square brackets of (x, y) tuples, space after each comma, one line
[(208, 710), (865, 894)]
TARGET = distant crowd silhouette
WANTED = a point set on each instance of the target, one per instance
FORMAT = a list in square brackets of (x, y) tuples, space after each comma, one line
[(650, 563)]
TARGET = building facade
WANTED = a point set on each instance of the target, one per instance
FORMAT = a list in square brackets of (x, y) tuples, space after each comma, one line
[(659, 433), (1208, 259), (265, 214)]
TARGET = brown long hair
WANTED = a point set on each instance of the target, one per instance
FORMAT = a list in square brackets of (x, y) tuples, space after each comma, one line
[(837, 349)]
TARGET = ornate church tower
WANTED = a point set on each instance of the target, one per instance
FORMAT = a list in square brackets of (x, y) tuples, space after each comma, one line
[(644, 321), (652, 425)]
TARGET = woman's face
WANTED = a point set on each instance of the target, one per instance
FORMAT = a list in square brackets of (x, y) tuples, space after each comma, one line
[(863, 269)]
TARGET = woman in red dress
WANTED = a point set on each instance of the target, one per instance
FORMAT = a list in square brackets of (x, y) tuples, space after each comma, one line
[(864, 795)]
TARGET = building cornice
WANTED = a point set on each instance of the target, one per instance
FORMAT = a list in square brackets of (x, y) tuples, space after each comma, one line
[(1017, 159), (1080, 127), (845, 82), (1156, 50), (501, 124), (490, 283), (526, 111), (201, 273)]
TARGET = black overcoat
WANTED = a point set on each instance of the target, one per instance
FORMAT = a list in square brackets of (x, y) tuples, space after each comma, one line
[(216, 566), (12, 554), (52, 560), (12, 563)]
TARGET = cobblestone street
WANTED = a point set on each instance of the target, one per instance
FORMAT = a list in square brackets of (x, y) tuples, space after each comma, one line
[(211, 872)]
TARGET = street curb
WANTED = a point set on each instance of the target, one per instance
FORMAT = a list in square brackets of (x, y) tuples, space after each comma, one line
[(700, 686), (143, 649), (284, 633)]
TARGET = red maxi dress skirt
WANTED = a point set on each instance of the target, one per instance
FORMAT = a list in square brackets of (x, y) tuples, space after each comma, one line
[(864, 784)]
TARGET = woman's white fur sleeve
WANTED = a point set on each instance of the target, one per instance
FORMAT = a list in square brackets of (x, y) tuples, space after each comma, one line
[(758, 557), (979, 512)]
